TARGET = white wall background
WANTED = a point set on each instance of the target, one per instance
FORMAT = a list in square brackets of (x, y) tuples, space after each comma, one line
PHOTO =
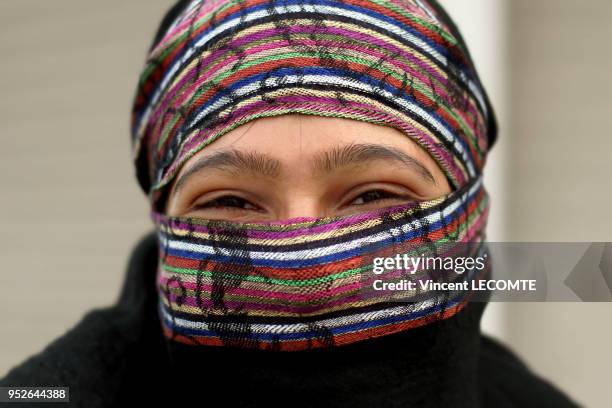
[(66, 81), (561, 112), (70, 209)]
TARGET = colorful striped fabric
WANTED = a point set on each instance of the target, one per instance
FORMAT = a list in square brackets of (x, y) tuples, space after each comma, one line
[(222, 63), (308, 282)]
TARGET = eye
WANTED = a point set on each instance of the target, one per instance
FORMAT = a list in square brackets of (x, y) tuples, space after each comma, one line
[(376, 195), (227, 202)]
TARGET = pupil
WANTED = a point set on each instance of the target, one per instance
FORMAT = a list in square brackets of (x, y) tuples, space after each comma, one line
[(372, 195), (233, 201)]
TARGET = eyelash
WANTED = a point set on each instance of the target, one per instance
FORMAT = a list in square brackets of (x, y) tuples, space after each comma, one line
[(210, 204)]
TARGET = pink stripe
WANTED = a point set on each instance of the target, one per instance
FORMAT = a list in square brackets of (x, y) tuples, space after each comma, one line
[(251, 306), (332, 225), (266, 294)]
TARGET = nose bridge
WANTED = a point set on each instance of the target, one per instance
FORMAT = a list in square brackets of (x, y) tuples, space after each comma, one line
[(302, 207), (303, 194), (302, 197), (302, 190)]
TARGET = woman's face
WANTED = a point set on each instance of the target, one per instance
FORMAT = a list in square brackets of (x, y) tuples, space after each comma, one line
[(304, 166)]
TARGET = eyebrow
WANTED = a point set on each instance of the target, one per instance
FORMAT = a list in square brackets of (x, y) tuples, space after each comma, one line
[(238, 162), (327, 161)]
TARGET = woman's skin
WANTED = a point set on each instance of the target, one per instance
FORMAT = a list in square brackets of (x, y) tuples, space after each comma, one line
[(295, 165)]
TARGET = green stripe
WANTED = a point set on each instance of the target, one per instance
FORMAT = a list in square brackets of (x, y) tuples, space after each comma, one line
[(261, 279)]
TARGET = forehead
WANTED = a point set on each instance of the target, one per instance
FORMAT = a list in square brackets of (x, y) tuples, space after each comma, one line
[(290, 146), (294, 137)]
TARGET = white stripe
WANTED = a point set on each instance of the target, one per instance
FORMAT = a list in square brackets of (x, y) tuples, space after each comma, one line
[(427, 11), (329, 323), (186, 14)]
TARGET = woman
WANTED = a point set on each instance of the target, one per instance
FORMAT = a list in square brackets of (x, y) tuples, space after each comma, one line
[(285, 146)]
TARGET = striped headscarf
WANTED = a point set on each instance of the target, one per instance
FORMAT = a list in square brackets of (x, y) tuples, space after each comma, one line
[(221, 63), (304, 283)]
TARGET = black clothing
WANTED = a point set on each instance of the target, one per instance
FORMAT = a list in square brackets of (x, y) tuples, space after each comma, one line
[(117, 356)]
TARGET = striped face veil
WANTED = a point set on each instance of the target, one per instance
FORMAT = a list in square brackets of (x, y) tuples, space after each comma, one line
[(310, 282)]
